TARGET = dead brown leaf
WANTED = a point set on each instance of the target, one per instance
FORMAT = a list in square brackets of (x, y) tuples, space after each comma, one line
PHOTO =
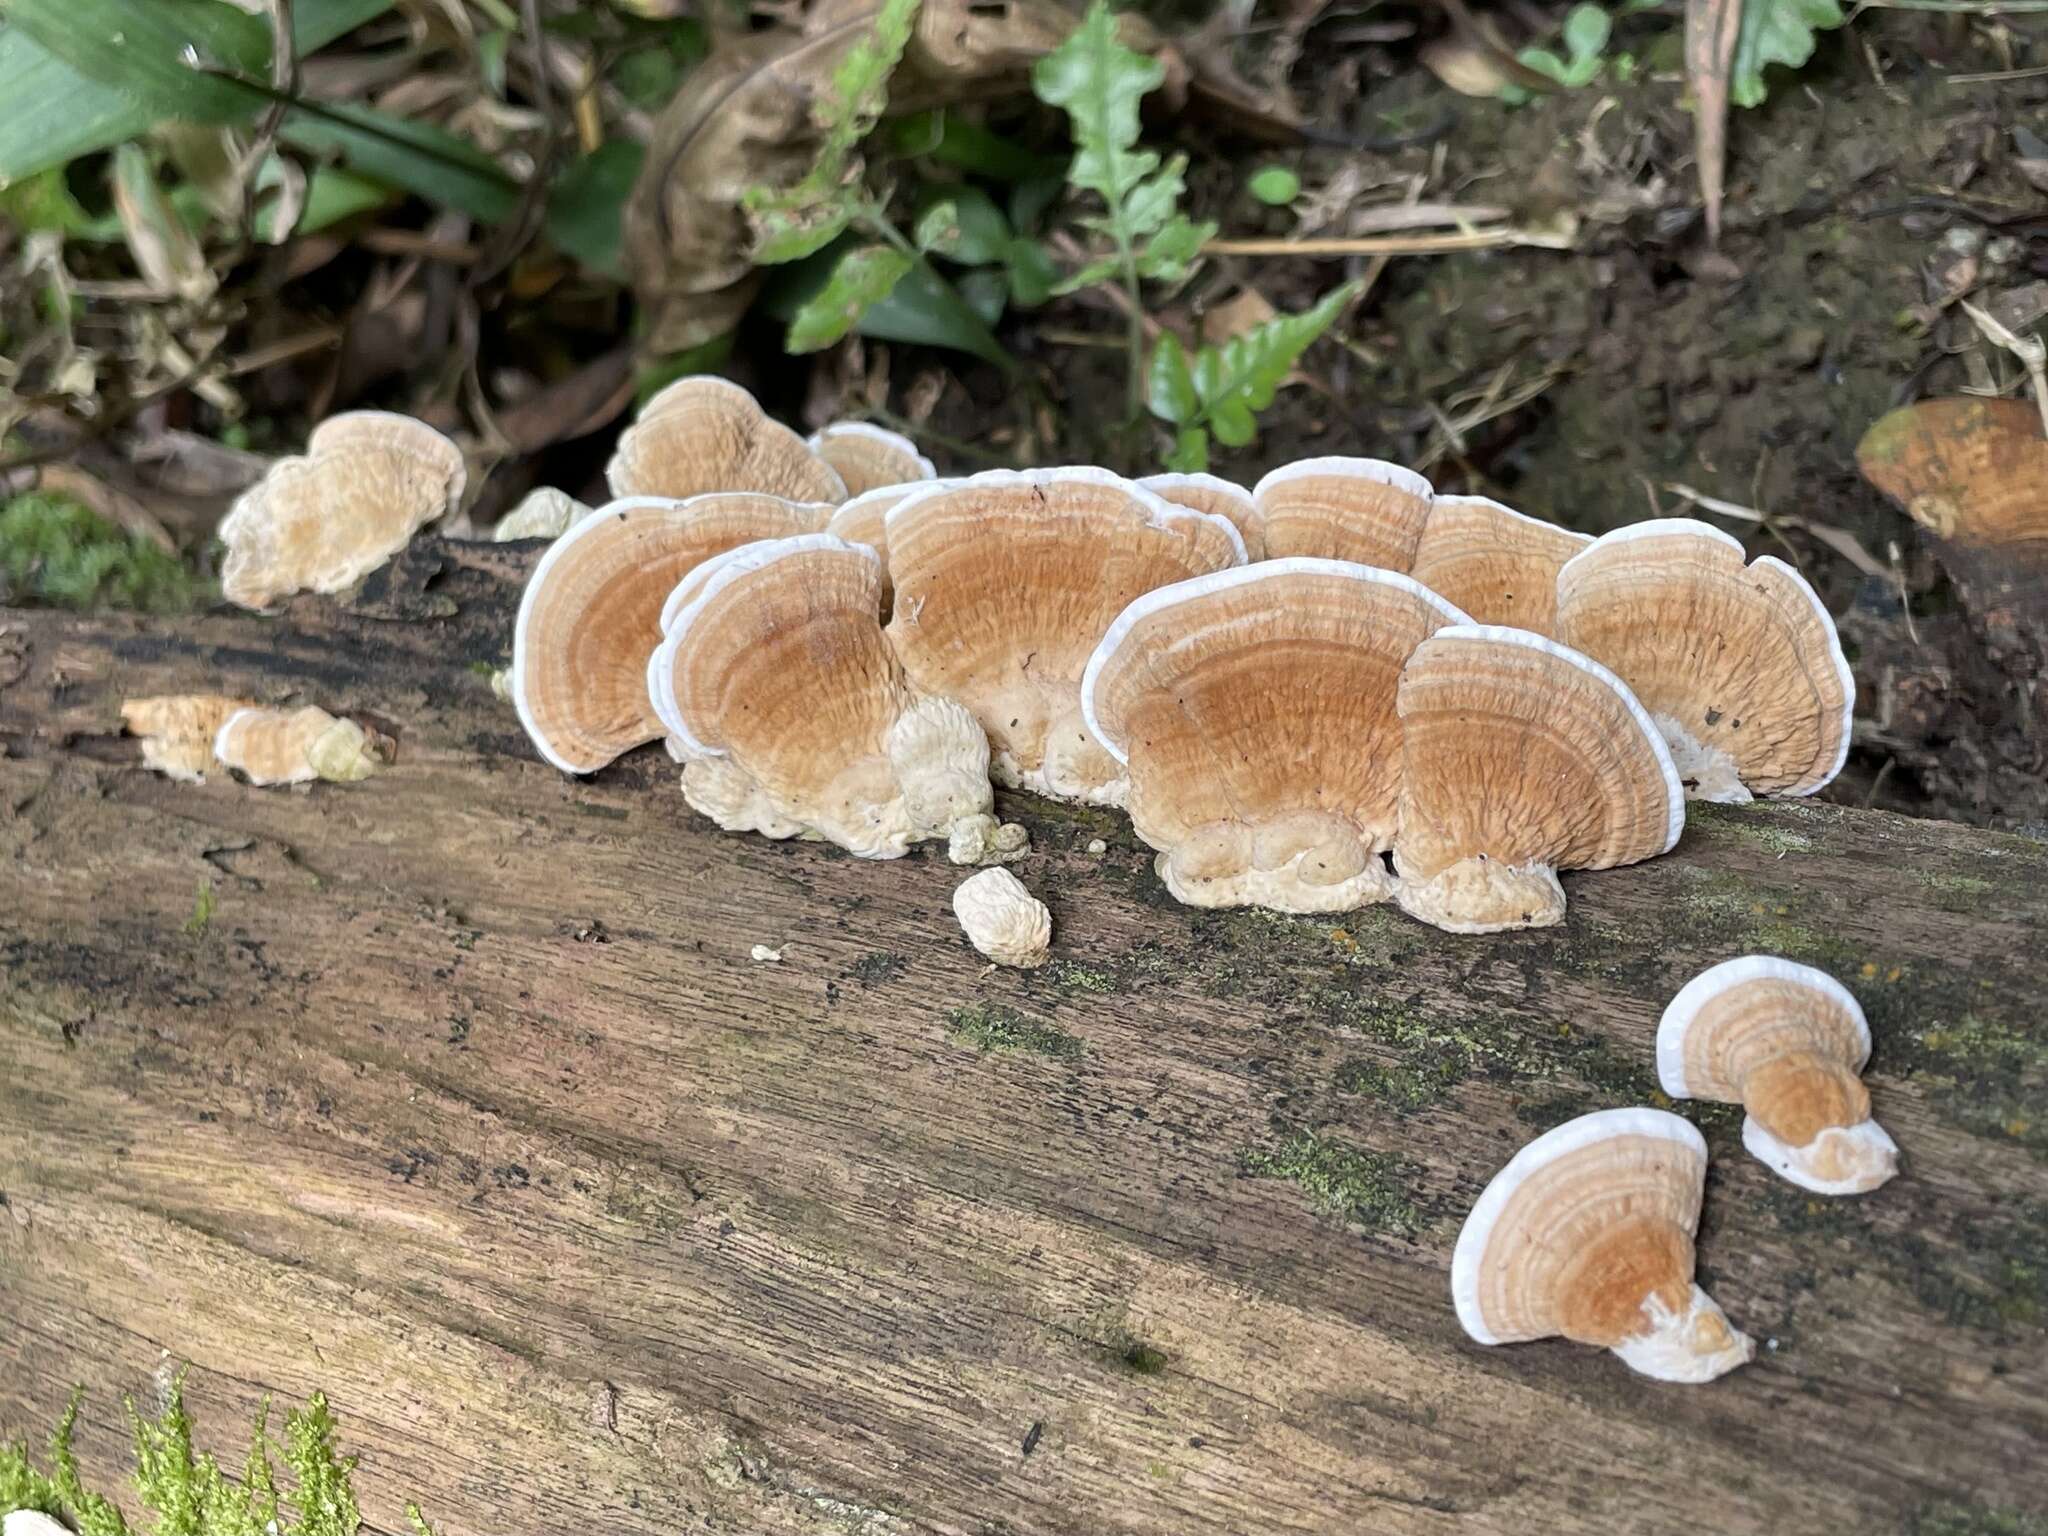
[(1711, 27), (1247, 310)]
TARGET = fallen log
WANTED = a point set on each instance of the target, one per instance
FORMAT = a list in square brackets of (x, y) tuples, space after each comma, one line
[(458, 1094)]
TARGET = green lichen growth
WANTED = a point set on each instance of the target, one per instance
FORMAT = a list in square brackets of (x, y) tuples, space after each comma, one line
[(1753, 825), (1364, 1188), (876, 967), (1069, 977), (203, 903), (57, 552), (1141, 1357), (1730, 909), (1957, 893), (187, 1493), (988, 1027), (1986, 1075), (1946, 1519)]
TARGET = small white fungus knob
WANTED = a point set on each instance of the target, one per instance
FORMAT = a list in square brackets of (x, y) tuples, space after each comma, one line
[(1002, 919)]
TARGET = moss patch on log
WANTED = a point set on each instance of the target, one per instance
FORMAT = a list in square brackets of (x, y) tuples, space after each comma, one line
[(1371, 1190), (989, 1027)]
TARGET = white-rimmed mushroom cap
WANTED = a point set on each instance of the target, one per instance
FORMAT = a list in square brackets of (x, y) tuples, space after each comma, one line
[(1255, 710), (1002, 919), (1788, 1043), (865, 520), (1497, 564), (868, 457), (1588, 1233), (368, 481), (1520, 757), (591, 614), (1218, 497), (1365, 510), (1739, 664), (790, 707), (705, 434), (1004, 583)]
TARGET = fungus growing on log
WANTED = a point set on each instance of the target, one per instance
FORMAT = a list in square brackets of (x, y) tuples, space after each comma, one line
[(865, 520), (367, 482), (1497, 564), (1255, 711), (546, 513), (1002, 919), (1344, 509), (277, 746), (1788, 1043), (1218, 497), (177, 731), (707, 434), (1588, 1233), (591, 614), (1738, 664), (1004, 583), (1520, 757), (776, 673), (868, 457)]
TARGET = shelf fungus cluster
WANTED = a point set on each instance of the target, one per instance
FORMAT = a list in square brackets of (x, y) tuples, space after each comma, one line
[(1334, 689), (185, 736)]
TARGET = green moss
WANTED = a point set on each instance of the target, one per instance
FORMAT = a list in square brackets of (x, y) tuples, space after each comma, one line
[(1946, 1519), (1408, 1085), (1986, 1075), (1766, 919), (203, 904), (876, 967), (1756, 825), (1069, 977), (1143, 1358), (989, 1027), (55, 551), (1367, 1189)]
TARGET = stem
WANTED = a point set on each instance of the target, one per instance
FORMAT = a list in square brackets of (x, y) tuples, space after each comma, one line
[(1134, 332)]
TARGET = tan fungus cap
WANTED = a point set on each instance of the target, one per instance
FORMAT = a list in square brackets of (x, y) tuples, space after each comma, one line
[(707, 434), (177, 730), (865, 520), (1971, 470), (591, 614), (868, 457), (1255, 709), (1520, 757), (546, 513), (1497, 564), (1739, 665), (1004, 583), (278, 746), (1588, 1232), (1788, 1043), (368, 481), (1344, 509), (1219, 498)]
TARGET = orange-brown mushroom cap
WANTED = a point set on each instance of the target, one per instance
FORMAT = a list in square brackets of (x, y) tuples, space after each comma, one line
[(1973, 470), (868, 457), (1588, 1232), (1218, 497), (591, 614), (1520, 757), (1005, 582), (1255, 711), (367, 482), (707, 434), (1364, 510), (1497, 564), (865, 520), (1739, 664)]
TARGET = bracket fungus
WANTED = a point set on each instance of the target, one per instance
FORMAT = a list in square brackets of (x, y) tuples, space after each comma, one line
[(1344, 509), (1788, 1043), (868, 457), (1970, 470), (1218, 497), (367, 482), (1739, 665), (795, 719), (591, 614), (1255, 711), (1497, 564), (1002, 919), (1520, 757), (704, 433), (177, 730), (865, 520), (1004, 583), (545, 513), (1588, 1233), (296, 746)]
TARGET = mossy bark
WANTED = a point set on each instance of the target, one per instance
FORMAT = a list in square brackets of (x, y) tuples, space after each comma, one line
[(468, 1104)]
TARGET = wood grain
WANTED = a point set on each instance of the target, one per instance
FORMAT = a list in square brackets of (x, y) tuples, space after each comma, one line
[(469, 1106)]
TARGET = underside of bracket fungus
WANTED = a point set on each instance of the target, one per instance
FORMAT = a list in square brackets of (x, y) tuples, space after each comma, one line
[(1520, 757), (177, 731), (1738, 664), (1497, 564), (795, 718), (1344, 509), (1788, 1043), (591, 614), (1005, 582), (1588, 1233), (295, 746), (706, 434), (868, 457), (1255, 711), (1002, 919), (1219, 498), (367, 482)]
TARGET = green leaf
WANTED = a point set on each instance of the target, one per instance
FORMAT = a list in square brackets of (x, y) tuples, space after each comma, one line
[(864, 277), (1586, 31), (43, 201), (1170, 388), (926, 310), (1275, 186), (1775, 32), (972, 230), (950, 138), (587, 202), (414, 157), (1099, 83), (1171, 253), (1236, 381), (790, 232), (1033, 276), (1190, 454)]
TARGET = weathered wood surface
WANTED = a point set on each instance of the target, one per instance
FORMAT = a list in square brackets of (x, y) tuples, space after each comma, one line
[(468, 1105)]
